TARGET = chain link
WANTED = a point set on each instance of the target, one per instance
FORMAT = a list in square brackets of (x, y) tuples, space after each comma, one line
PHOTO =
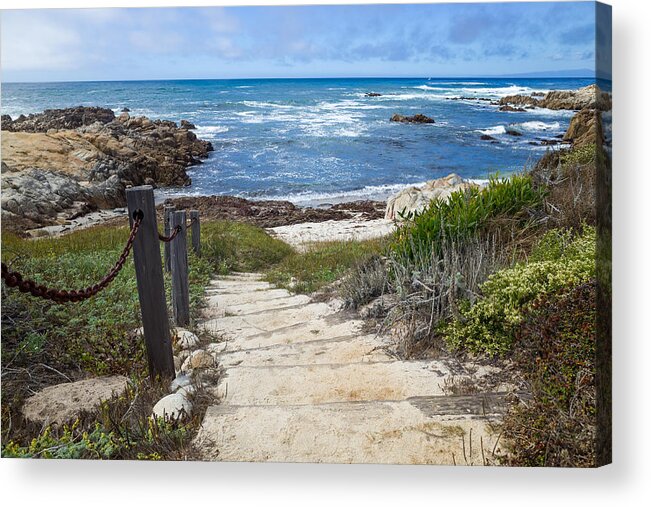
[(167, 239), (15, 279)]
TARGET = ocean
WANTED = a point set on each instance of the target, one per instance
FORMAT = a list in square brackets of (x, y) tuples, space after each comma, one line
[(318, 141)]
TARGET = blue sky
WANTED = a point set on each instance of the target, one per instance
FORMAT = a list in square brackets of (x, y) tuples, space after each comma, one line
[(435, 40)]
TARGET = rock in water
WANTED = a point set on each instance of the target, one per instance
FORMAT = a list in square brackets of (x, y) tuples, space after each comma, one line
[(372, 94), (62, 403), (417, 118), (414, 199)]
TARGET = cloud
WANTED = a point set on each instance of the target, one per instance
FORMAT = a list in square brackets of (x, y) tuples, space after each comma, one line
[(468, 28), (40, 44)]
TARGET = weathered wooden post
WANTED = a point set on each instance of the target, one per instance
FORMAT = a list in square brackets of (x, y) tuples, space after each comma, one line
[(151, 288), (179, 264), (196, 232), (167, 231)]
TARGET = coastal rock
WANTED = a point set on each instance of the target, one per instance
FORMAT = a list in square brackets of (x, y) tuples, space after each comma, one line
[(372, 94), (59, 119), (486, 137), (509, 108), (587, 97), (585, 128), (187, 125), (50, 175), (518, 100), (417, 118), (414, 199), (512, 131), (64, 402)]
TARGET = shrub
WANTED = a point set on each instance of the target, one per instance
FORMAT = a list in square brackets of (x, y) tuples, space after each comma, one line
[(366, 281), (488, 326), (555, 349), (467, 212)]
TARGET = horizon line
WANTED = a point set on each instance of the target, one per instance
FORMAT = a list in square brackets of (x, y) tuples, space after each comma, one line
[(503, 76)]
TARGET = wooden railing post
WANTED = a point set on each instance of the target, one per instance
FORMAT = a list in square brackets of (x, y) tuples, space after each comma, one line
[(151, 287), (196, 232), (167, 230), (179, 264)]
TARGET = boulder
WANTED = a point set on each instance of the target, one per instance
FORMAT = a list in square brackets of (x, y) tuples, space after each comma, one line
[(198, 359), (184, 339), (512, 131), (187, 125), (417, 118), (62, 403), (413, 199), (173, 406), (486, 137)]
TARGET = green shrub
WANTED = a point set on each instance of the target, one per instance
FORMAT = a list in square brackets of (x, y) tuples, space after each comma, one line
[(467, 212), (489, 325), (555, 349)]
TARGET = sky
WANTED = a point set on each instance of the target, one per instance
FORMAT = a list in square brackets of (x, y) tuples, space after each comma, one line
[(426, 40)]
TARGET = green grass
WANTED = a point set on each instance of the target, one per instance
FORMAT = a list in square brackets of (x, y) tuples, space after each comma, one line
[(232, 246), (322, 264)]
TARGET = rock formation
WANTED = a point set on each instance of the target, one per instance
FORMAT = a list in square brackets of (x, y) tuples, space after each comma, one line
[(64, 163), (413, 199), (588, 97), (417, 118)]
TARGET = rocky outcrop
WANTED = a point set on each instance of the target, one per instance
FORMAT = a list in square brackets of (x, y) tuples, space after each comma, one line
[(585, 128), (417, 118), (58, 119), (413, 199), (590, 97), (63, 163)]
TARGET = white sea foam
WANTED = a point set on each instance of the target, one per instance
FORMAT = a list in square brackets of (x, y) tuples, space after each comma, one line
[(210, 130), (493, 131), (539, 126)]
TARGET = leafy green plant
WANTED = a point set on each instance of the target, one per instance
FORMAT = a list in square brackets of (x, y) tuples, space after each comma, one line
[(467, 212), (489, 325)]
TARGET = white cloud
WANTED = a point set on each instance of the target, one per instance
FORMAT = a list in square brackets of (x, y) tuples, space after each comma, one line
[(37, 44)]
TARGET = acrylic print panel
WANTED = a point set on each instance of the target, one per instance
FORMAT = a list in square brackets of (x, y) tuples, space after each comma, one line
[(334, 234)]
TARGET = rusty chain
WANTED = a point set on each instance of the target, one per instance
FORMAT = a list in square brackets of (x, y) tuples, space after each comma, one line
[(15, 279), (167, 239)]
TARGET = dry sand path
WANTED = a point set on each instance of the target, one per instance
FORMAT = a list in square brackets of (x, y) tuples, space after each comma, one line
[(303, 383)]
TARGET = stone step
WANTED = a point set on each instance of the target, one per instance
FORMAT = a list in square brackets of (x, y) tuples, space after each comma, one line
[(250, 325), (345, 349), (303, 332), (364, 432), (237, 286), (326, 383), (225, 308), (219, 298)]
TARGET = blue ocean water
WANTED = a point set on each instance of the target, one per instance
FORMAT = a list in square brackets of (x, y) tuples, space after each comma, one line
[(322, 140)]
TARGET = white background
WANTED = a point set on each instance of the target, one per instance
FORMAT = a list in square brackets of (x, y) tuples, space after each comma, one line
[(626, 482)]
